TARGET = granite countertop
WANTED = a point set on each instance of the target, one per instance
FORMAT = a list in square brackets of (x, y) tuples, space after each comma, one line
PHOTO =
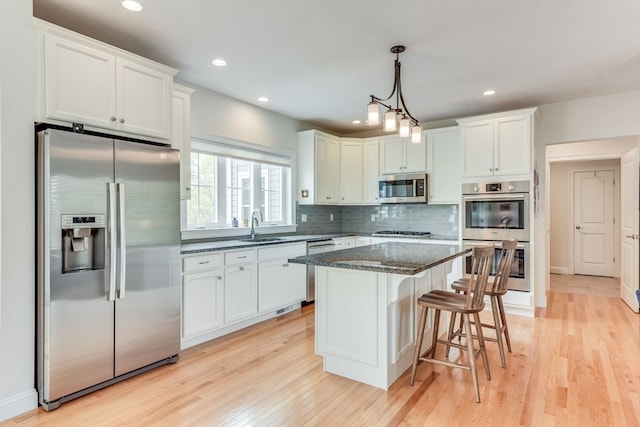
[(194, 248), (390, 257), (265, 240)]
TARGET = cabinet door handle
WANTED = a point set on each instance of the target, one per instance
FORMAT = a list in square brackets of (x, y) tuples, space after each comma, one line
[(203, 262), (121, 120), (219, 277), (113, 118), (241, 268), (285, 265), (242, 257)]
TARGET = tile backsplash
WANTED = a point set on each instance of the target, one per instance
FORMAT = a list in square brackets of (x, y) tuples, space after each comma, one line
[(441, 220)]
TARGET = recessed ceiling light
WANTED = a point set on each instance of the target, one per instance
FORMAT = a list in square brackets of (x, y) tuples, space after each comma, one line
[(356, 122), (263, 99), (219, 62), (489, 92), (132, 5)]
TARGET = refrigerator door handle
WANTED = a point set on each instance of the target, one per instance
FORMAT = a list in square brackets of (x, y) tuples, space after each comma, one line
[(113, 236), (123, 239)]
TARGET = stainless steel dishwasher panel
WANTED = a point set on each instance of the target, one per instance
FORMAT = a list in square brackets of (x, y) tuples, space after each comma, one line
[(316, 247)]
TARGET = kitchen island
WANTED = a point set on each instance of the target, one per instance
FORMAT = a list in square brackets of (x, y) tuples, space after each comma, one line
[(365, 307)]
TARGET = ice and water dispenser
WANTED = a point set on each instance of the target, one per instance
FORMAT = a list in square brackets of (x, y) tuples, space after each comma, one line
[(82, 242)]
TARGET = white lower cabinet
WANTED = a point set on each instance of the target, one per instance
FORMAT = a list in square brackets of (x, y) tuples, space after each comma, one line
[(202, 293), (226, 291), (202, 301), (279, 282), (240, 286)]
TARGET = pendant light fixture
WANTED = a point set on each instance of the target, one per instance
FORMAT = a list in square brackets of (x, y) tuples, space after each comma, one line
[(408, 126)]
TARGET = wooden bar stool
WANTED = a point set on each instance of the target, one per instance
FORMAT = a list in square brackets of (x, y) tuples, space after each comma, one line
[(470, 303), (495, 290)]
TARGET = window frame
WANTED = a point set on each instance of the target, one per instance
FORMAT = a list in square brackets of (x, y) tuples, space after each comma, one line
[(258, 154)]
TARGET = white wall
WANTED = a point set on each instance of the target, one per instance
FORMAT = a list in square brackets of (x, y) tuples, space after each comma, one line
[(218, 115), (603, 117), (561, 231), (17, 265)]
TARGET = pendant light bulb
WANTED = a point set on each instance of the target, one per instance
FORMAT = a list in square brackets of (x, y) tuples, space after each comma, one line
[(416, 134), (405, 127), (373, 114), (390, 121)]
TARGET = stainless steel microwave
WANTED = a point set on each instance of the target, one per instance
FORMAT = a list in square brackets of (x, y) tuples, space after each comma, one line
[(403, 188)]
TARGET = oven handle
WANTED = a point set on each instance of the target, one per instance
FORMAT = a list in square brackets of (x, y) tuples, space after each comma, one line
[(495, 196)]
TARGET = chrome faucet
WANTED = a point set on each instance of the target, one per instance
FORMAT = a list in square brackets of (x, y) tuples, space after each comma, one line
[(254, 222)]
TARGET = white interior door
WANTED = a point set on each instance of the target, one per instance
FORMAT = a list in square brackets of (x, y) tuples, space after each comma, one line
[(629, 187), (593, 223)]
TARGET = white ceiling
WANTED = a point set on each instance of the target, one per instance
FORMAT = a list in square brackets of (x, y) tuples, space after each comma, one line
[(319, 61)]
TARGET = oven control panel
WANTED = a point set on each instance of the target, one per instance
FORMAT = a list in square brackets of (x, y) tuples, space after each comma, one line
[(496, 187)]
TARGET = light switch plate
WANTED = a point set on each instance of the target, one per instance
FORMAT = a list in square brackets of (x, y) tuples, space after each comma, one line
[(303, 217)]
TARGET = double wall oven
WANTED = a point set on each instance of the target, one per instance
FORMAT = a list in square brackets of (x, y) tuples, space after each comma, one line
[(492, 212)]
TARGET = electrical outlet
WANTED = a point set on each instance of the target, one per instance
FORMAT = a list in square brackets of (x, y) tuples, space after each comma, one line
[(330, 217), (303, 217), (373, 217)]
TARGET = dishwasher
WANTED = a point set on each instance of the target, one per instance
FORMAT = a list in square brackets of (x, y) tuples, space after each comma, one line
[(316, 247)]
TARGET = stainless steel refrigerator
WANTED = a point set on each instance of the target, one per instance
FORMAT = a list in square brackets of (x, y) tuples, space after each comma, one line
[(108, 256)]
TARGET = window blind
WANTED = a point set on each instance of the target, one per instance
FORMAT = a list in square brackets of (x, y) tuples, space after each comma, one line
[(241, 150)]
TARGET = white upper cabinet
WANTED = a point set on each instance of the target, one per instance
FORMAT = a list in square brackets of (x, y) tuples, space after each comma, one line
[(88, 82), (370, 172), (443, 165), (318, 168), (181, 135), (497, 144), (400, 155), (351, 173)]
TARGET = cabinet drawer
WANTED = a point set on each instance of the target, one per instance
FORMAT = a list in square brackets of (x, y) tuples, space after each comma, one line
[(238, 257), (282, 251), (201, 262)]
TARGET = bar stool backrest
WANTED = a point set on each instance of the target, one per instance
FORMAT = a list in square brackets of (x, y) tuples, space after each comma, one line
[(482, 258), (504, 266)]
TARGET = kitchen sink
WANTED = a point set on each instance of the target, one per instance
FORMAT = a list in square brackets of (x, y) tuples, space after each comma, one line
[(261, 239)]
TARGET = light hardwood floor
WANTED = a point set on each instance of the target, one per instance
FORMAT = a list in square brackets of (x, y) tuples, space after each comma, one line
[(577, 363)]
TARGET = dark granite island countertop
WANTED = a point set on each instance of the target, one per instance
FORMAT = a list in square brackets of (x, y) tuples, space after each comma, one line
[(390, 257)]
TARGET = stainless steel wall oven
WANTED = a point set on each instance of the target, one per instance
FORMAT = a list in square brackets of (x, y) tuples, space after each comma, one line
[(492, 212), (496, 211), (519, 274)]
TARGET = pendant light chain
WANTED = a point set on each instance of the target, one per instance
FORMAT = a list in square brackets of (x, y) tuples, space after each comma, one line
[(405, 128)]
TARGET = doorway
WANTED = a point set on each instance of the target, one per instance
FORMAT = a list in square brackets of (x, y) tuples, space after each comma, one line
[(584, 208)]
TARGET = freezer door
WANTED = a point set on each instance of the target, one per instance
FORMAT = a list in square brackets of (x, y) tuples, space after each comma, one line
[(75, 318), (147, 323)]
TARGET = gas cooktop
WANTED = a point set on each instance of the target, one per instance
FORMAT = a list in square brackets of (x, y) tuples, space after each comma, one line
[(402, 233)]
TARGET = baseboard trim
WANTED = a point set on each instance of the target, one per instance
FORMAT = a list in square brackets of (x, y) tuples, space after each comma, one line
[(559, 270), (18, 404)]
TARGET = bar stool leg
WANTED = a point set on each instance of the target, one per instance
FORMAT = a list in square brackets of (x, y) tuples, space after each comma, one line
[(434, 336), (503, 316), (416, 357), (452, 323), (498, 325), (483, 348), (472, 357)]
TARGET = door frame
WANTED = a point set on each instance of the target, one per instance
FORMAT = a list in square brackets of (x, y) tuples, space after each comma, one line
[(569, 251)]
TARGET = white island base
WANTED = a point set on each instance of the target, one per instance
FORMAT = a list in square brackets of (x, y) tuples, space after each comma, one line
[(366, 320)]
